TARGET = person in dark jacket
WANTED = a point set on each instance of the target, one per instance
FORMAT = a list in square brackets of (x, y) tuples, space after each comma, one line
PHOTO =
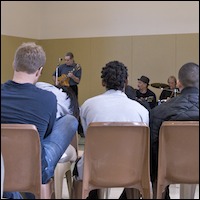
[(184, 107)]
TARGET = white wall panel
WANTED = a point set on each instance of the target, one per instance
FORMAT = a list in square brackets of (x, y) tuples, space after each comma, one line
[(80, 19), (21, 18)]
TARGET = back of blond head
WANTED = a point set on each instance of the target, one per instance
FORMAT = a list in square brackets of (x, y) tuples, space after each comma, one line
[(29, 57)]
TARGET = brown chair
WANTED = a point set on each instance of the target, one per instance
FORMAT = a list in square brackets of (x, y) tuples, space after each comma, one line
[(21, 150), (116, 154), (2, 175), (178, 158)]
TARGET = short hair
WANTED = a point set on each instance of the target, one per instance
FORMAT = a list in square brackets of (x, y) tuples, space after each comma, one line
[(70, 54), (172, 77), (114, 75), (29, 57), (189, 75)]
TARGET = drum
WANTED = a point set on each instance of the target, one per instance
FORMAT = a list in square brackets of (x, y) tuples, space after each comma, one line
[(162, 101)]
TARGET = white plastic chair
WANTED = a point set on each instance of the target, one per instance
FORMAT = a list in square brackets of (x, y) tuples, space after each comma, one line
[(63, 168)]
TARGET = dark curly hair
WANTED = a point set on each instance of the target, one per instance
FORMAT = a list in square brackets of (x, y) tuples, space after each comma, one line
[(114, 75)]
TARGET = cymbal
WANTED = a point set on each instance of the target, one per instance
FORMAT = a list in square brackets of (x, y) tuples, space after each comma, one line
[(159, 85)]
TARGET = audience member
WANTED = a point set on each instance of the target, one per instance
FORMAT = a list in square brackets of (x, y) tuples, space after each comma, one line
[(184, 107), (67, 103), (145, 93), (170, 91), (111, 106), (22, 102)]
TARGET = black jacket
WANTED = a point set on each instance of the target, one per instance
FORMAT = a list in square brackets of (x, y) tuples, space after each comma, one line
[(184, 107)]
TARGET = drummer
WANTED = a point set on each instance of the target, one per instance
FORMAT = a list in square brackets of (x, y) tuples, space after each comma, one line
[(170, 91)]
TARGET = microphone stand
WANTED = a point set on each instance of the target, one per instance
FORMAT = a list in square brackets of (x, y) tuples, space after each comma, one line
[(175, 92), (59, 60)]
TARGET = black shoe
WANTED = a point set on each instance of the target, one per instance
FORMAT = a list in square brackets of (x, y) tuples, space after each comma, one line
[(167, 193), (123, 195), (93, 194)]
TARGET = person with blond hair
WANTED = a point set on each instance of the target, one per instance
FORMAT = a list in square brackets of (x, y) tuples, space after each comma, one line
[(24, 103)]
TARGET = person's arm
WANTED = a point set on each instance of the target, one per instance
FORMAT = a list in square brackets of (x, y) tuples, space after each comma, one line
[(76, 76), (72, 76), (53, 102)]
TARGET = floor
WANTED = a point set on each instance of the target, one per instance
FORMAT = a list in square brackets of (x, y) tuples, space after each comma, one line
[(115, 192)]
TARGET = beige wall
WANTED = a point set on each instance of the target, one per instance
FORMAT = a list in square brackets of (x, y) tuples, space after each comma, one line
[(21, 18), (156, 56)]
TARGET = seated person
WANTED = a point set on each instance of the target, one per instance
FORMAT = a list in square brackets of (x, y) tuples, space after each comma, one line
[(111, 106), (145, 93), (184, 107), (24, 103), (66, 104), (171, 91), (66, 100)]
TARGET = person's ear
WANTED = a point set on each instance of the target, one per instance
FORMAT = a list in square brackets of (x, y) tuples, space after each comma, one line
[(179, 85), (39, 71), (126, 82), (103, 84)]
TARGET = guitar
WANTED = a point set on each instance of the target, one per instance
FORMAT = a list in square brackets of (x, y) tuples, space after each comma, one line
[(63, 80), (147, 99)]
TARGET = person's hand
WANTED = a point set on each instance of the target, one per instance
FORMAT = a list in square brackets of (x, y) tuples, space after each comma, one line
[(70, 74)]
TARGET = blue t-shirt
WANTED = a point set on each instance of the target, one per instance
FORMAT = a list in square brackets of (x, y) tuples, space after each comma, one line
[(65, 69), (27, 104)]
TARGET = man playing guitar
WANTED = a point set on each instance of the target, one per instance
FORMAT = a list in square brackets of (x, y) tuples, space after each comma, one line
[(68, 74)]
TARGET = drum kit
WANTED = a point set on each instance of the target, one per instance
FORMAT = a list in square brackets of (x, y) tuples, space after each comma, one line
[(164, 86), (160, 85)]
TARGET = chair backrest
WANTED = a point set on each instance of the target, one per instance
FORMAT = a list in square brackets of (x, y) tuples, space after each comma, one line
[(116, 154), (21, 150), (178, 157), (2, 175)]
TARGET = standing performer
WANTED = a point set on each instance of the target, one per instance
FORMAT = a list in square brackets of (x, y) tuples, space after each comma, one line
[(68, 74)]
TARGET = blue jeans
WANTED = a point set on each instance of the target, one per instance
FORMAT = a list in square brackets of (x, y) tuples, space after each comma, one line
[(54, 145), (57, 142)]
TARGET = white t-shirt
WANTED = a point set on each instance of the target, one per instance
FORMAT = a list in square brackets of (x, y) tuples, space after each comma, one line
[(111, 106)]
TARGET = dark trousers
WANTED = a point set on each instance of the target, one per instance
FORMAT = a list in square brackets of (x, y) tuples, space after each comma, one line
[(75, 89)]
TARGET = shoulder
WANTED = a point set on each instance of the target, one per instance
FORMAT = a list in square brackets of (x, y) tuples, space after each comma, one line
[(93, 101), (51, 88), (45, 95), (151, 92), (62, 66)]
